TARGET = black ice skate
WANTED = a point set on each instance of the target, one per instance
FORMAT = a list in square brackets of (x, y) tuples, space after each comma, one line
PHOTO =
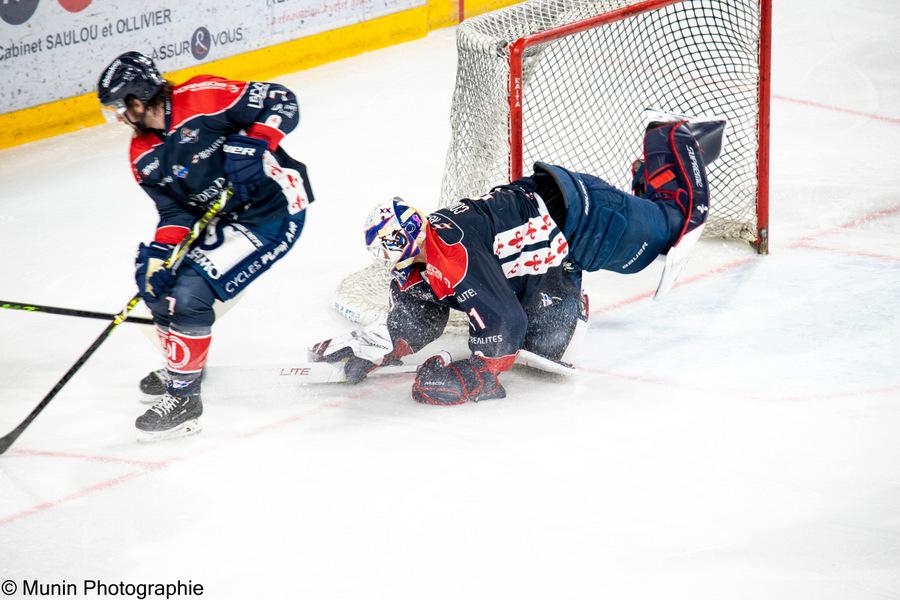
[(171, 417), (153, 385)]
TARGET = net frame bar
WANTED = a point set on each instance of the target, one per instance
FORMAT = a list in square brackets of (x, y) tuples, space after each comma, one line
[(516, 100)]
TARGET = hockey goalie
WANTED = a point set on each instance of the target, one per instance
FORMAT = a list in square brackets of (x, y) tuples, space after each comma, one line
[(512, 261)]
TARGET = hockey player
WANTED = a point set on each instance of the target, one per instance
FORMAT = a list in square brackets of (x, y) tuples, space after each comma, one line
[(512, 261), (190, 142)]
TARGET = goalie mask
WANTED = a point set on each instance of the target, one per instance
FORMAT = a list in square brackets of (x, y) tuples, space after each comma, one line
[(395, 232)]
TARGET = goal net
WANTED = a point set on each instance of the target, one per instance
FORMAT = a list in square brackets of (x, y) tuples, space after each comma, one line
[(568, 82)]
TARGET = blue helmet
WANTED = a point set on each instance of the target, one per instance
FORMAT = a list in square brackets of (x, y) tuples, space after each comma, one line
[(395, 232), (130, 74)]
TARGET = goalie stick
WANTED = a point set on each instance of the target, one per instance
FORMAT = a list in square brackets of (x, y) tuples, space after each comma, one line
[(301, 373), (69, 312), (321, 372), (325, 372), (172, 262)]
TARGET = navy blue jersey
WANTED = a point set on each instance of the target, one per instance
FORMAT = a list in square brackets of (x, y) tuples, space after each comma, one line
[(181, 168), (501, 259), (512, 260)]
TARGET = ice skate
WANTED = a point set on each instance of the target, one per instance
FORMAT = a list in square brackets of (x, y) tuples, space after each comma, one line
[(171, 417), (153, 386)]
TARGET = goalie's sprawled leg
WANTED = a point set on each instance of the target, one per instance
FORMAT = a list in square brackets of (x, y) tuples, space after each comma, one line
[(616, 231), (607, 228), (557, 319), (673, 174)]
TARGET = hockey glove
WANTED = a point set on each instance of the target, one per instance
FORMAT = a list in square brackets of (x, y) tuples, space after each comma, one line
[(456, 383), (153, 280), (363, 351), (244, 163)]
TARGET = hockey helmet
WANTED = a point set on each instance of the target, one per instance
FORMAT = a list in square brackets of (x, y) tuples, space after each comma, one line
[(395, 232), (130, 75)]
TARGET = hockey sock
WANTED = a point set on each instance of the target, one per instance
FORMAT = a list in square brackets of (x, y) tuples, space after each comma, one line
[(162, 336), (186, 357)]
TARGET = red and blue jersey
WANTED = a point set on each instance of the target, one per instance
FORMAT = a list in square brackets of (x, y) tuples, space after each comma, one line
[(512, 260), (181, 168), (501, 259)]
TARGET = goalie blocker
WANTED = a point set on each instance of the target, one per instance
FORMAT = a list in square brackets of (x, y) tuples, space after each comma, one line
[(512, 262)]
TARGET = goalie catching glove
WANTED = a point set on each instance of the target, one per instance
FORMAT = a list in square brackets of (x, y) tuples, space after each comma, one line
[(363, 351), (458, 382)]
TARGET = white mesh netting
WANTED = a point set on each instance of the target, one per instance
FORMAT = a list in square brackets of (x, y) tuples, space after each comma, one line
[(584, 97)]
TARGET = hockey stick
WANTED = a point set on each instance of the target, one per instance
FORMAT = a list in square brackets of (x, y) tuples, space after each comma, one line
[(324, 372), (171, 263), (333, 372), (303, 374), (70, 312)]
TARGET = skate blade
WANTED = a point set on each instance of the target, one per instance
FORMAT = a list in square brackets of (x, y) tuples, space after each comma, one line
[(185, 429)]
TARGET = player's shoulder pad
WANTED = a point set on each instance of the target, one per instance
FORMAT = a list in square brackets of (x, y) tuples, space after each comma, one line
[(204, 94), (143, 164), (447, 260), (444, 223)]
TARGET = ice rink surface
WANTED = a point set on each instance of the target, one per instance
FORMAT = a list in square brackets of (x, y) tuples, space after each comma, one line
[(740, 439)]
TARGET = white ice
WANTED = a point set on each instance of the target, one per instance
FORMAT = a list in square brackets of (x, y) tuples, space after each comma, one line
[(740, 439)]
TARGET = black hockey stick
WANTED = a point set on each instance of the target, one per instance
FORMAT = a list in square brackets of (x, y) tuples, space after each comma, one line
[(70, 312), (171, 263)]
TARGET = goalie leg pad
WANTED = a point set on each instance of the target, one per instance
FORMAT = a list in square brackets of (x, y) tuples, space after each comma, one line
[(674, 175), (553, 314)]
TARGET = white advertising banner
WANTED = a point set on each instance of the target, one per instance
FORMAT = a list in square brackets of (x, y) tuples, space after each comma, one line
[(53, 49)]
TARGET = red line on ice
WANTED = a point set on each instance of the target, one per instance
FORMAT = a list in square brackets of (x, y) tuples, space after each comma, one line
[(147, 464), (845, 251), (97, 487), (851, 224), (687, 280), (849, 111), (149, 467)]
